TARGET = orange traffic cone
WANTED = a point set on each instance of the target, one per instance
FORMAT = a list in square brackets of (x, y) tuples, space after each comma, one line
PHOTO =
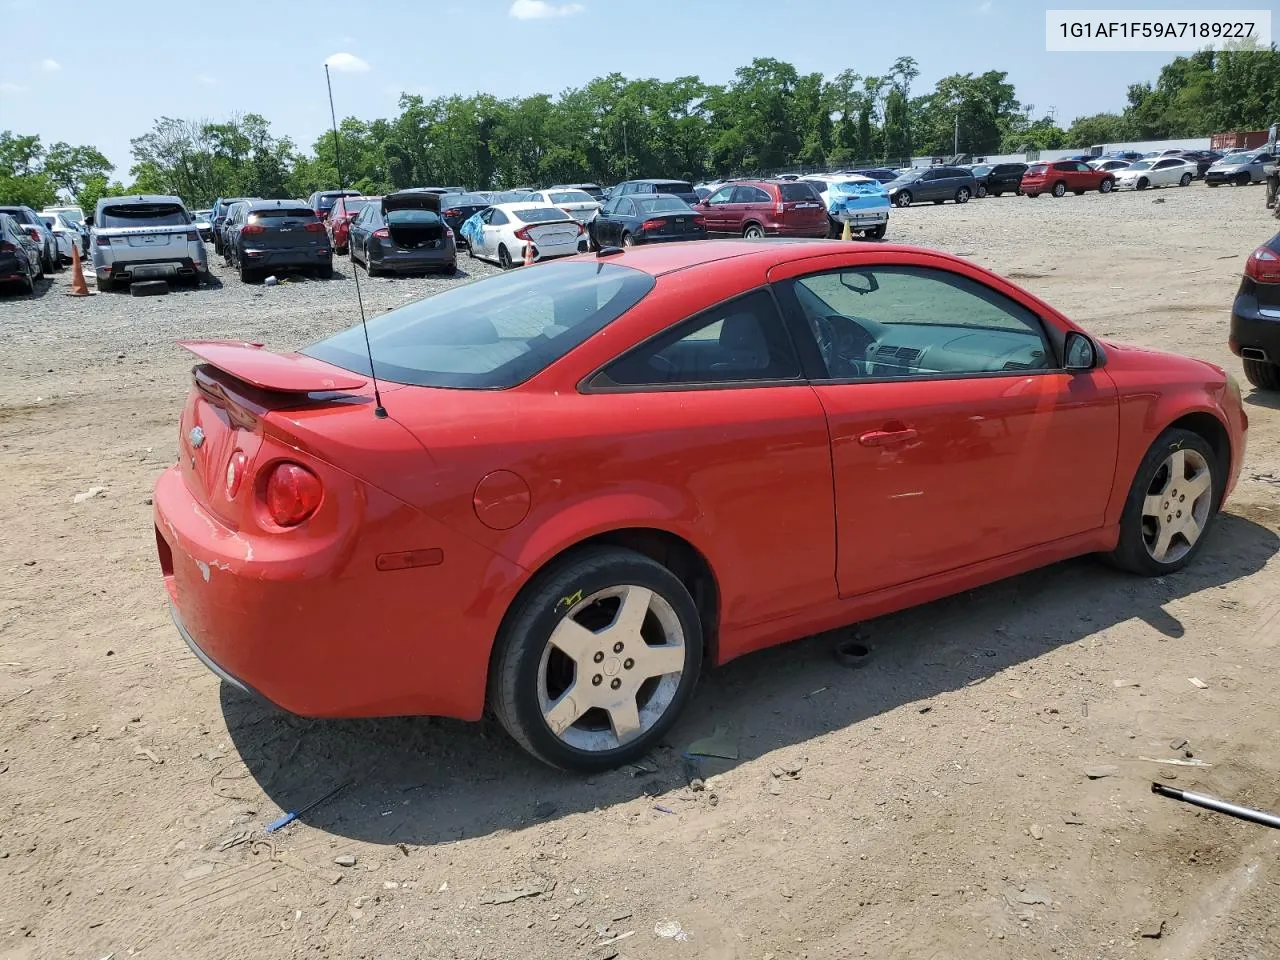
[(528, 254), (78, 287)]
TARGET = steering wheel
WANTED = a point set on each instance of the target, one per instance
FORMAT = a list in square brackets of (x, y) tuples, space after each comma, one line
[(844, 344)]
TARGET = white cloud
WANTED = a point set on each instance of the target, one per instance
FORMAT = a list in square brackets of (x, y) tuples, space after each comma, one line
[(50, 66), (984, 8), (207, 79), (541, 10), (347, 63), (8, 87)]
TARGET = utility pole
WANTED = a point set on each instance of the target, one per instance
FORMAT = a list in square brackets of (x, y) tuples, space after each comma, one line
[(626, 154), (955, 146)]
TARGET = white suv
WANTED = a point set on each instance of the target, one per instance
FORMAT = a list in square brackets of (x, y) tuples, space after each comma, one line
[(145, 238)]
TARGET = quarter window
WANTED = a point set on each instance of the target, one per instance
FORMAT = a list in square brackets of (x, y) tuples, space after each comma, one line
[(743, 340)]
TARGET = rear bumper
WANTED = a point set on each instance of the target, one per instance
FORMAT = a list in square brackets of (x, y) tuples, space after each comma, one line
[(672, 238), (151, 269), (308, 257), (390, 257), (1252, 331), (552, 250)]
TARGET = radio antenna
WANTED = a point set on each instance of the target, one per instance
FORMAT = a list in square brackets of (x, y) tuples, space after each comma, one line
[(379, 410)]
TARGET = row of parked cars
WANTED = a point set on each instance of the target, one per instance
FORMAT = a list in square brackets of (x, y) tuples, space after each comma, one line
[(35, 244)]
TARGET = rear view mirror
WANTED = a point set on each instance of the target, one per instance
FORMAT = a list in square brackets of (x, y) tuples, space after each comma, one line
[(860, 283), (1081, 354)]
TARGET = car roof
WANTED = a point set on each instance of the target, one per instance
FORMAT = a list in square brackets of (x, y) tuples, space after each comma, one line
[(276, 204), (654, 180), (147, 198), (517, 205)]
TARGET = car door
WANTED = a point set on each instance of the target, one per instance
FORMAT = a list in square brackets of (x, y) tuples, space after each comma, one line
[(496, 233), (624, 221), (750, 205), (723, 392), (956, 436), (715, 208), (931, 185), (1162, 173), (599, 224)]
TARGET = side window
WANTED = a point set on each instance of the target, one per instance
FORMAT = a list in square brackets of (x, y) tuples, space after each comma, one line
[(740, 341), (877, 322), (723, 195), (486, 216), (751, 195), (498, 219), (1084, 168), (609, 208), (626, 208)]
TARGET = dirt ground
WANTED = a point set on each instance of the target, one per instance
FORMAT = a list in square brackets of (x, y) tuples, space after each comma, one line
[(933, 804)]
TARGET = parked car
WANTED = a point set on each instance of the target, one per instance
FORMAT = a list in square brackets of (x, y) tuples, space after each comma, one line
[(72, 213), (20, 257), (338, 223), (270, 235), (1156, 172), (861, 201), (322, 201), (511, 196), (218, 217), (681, 188), (404, 233), (702, 482), (204, 224), (1239, 169), (31, 222), (645, 218), (1110, 165), (1130, 155), (1255, 317), (591, 188), (220, 230), (999, 178), (65, 236), (1204, 159), (576, 203), (458, 208), (879, 174), (145, 238), (1062, 175), (938, 184), (765, 208), (504, 231)]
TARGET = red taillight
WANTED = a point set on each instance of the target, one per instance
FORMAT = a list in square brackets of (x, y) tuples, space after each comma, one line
[(452, 213), (652, 225), (382, 233), (252, 228), (7, 247), (193, 235), (699, 221), (293, 493), (314, 228), (523, 234), (102, 241), (235, 473), (34, 234), (1263, 266)]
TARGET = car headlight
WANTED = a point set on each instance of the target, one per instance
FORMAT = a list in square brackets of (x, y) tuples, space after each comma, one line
[(1233, 387)]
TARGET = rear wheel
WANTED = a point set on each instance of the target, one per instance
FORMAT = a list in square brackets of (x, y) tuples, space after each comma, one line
[(247, 275), (877, 233), (596, 660), (1106, 186), (1059, 189), (1186, 180), (962, 195), (325, 273), (504, 258), (753, 231), (628, 240), (1262, 374), (105, 285), (1171, 505)]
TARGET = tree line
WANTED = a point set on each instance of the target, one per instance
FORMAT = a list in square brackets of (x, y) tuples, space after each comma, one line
[(769, 117)]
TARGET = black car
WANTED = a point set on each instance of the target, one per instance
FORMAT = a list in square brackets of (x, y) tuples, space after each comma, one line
[(646, 218), (458, 208), (20, 256), (30, 223), (680, 188), (1204, 159), (995, 179), (1255, 317), (403, 233), (268, 235), (878, 174), (218, 219)]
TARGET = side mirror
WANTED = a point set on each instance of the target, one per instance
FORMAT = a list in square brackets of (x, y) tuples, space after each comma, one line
[(1080, 352)]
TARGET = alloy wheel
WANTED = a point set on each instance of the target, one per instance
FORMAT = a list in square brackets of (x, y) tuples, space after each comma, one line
[(1176, 508)]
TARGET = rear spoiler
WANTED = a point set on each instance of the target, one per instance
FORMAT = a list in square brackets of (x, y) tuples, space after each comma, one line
[(278, 372)]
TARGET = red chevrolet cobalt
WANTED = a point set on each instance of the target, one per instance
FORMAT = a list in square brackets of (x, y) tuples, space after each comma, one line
[(573, 487)]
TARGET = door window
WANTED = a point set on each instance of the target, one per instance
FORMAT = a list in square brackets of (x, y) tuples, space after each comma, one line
[(626, 208), (742, 340), (750, 195), (498, 218), (721, 196), (882, 322)]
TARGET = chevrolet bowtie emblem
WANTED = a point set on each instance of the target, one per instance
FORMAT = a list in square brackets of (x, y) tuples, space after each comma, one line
[(196, 436)]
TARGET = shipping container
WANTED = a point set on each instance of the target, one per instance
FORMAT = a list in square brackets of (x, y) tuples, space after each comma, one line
[(1238, 140)]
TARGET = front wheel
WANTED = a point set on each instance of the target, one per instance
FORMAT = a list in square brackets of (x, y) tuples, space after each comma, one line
[(962, 195), (1242, 180), (1059, 189), (903, 199), (1263, 375), (1171, 505), (596, 660), (1186, 180), (1143, 183), (982, 191), (1106, 186)]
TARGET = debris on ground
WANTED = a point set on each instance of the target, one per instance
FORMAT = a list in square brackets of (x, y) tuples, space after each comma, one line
[(144, 752), (1197, 683), (1036, 832), (720, 744), (669, 930), (1178, 763), (1153, 930), (89, 494), (519, 893), (345, 860), (1100, 770)]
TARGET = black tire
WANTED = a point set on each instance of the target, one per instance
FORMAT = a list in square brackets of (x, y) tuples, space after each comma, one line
[(340, 251), (504, 257), (1211, 183), (997, 193), (1131, 552), (528, 625), (247, 275), (105, 285), (982, 191), (1031, 196), (1059, 189), (1262, 374), (1106, 186), (962, 195), (752, 231), (1243, 180), (1186, 179), (903, 199), (471, 253), (1078, 193), (628, 240), (325, 273), (877, 233), (1143, 183), (28, 286), (369, 267)]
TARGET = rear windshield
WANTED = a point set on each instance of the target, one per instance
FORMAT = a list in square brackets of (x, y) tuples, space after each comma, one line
[(145, 215), (353, 206), (280, 213), (796, 191), (510, 196), (326, 200), (677, 186), (1037, 168), (464, 200), (493, 333), (412, 218), (539, 215), (571, 196), (664, 205)]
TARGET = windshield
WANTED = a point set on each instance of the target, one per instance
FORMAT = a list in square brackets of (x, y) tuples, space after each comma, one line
[(675, 186), (1140, 165), (1235, 158), (145, 215), (571, 196), (911, 175), (664, 205), (493, 333), (539, 215)]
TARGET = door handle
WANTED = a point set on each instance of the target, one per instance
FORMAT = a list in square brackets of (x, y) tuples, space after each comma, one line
[(882, 438)]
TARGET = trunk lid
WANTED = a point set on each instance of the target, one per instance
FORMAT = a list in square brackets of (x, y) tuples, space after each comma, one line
[(286, 227), (411, 200)]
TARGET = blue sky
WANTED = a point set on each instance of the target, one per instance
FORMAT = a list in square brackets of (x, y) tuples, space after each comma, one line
[(100, 77)]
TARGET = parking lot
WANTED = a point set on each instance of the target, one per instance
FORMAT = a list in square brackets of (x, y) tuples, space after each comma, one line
[(981, 787)]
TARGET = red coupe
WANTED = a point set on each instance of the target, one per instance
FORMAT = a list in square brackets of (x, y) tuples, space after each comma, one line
[(572, 487)]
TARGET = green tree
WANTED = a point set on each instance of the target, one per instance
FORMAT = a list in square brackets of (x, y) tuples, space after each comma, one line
[(897, 126)]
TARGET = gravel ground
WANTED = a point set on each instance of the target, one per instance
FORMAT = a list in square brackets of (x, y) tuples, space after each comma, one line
[(936, 803)]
